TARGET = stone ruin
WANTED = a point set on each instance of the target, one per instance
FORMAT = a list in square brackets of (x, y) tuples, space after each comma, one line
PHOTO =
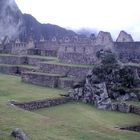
[(108, 85), (77, 49), (78, 63), (63, 59)]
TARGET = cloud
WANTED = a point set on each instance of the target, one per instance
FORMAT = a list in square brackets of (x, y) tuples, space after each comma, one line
[(107, 15)]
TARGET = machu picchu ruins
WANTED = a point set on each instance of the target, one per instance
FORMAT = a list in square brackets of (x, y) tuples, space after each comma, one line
[(59, 84), (63, 60)]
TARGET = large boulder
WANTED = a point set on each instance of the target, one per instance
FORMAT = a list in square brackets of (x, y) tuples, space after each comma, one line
[(19, 134)]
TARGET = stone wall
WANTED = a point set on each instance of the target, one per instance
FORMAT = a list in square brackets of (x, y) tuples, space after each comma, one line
[(34, 60), (8, 69), (14, 70), (65, 70), (75, 54), (20, 60), (42, 52), (12, 59), (135, 110), (41, 79), (67, 83), (6, 48), (76, 58), (22, 69), (41, 103), (124, 37), (128, 51)]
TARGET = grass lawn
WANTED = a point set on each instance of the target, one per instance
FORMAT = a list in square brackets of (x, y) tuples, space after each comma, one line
[(11, 87), (43, 57), (56, 62), (71, 121)]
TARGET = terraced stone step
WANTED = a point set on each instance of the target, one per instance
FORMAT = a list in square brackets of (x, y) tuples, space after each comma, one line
[(19, 60), (41, 79), (8, 69), (12, 59), (16, 69), (35, 60), (68, 70)]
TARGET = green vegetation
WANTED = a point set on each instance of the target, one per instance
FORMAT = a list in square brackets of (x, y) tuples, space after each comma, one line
[(22, 66), (71, 79), (11, 87), (71, 121), (49, 74), (136, 103), (43, 57), (66, 64), (2, 54)]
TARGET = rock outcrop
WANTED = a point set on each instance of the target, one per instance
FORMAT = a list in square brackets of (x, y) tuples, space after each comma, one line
[(106, 82), (124, 37)]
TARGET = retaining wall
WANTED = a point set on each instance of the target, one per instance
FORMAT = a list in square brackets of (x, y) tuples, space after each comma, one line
[(34, 61), (8, 69), (41, 79), (41, 103), (128, 51), (52, 53), (77, 58), (14, 60), (67, 84), (68, 71)]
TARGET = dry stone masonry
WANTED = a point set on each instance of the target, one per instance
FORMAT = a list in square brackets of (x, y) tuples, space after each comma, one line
[(107, 82), (124, 37), (41, 103), (68, 57)]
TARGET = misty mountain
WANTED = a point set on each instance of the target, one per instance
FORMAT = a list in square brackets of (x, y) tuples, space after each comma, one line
[(11, 20), (15, 24), (37, 30)]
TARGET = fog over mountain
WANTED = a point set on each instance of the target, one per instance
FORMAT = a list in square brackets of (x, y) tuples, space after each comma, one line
[(106, 15), (15, 24), (11, 20)]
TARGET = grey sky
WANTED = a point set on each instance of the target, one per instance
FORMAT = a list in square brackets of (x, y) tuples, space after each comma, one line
[(106, 15)]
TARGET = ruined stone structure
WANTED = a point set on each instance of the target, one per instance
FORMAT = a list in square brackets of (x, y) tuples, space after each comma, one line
[(124, 37), (41, 103), (69, 57), (77, 49)]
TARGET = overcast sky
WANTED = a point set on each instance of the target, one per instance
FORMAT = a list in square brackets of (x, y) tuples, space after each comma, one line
[(106, 15)]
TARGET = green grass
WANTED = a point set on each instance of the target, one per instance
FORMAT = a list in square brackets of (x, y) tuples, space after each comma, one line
[(47, 74), (11, 87), (71, 79), (66, 64), (23, 66), (43, 57), (77, 121), (71, 121), (10, 55), (136, 103), (32, 56)]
